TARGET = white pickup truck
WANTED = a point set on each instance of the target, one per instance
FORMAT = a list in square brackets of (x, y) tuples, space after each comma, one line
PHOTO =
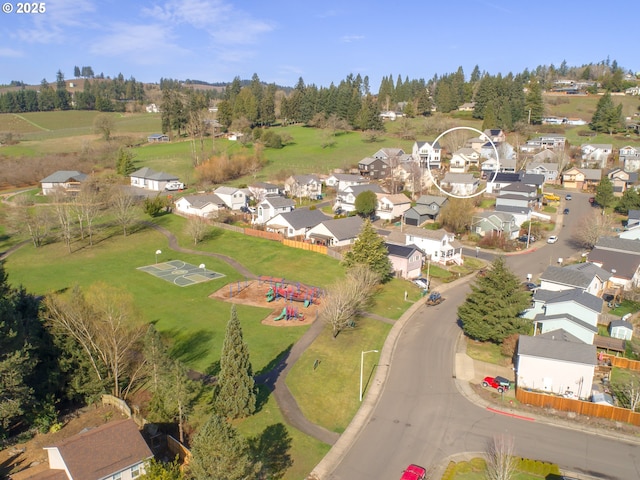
[(174, 186)]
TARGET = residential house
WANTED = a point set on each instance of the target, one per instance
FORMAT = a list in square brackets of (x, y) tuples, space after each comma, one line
[(461, 184), (392, 206), (427, 207), (151, 180), (409, 176), (374, 168), (581, 178), (587, 276), (621, 329), (152, 108), (545, 156), (630, 158), (259, 190), (67, 181), (428, 154), (467, 107), (390, 155), (233, 198), (340, 181), (548, 141), (439, 246), (619, 256), (272, 206), (463, 159), (632, 227), (158, 138), (572, 310), (114, 450), (406, 260), (596, 154), (495, 224), (550, 171), (206, 206), (338, 232), (622, 180), (505, 152), (494, 134), (519, 200), (346, 199), (295, 223), (497, 181), (555, 362), (303, 186), (633, 219)]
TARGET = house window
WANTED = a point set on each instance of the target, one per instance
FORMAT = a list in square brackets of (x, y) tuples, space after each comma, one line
[(135, 471), (117, 476)]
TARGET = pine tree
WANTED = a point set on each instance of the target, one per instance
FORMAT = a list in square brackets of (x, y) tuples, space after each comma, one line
[(604, 193), (490, 312), (534, 104), (608, 117), (235, 393), (369, 250), (219, 453)]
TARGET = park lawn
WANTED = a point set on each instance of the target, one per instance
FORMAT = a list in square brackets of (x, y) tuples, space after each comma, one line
[(389, 301), (305, 451), (16, 125), (194, 322), (329, 394), (486, 352)]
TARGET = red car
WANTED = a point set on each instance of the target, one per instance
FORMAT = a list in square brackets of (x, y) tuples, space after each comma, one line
[(499, 383), (414, 472)]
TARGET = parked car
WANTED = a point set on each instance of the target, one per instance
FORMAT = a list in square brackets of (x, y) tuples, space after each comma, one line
[(422, 282), (532, 287), (552, 239), (501, 384), (172, 186), (566, 211), (523, 238), (567, 196), (414, 472)]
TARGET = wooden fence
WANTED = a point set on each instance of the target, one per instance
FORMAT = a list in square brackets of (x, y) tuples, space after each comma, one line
[(312, 247), (580, 407), (117, 403), (622, 362), (177, 448), (252, 232)]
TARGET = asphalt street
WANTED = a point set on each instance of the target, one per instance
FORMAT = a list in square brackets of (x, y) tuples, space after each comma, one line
[(420, 415)]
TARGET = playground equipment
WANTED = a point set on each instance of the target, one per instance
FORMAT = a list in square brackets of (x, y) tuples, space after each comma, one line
[(289, 313), (298, 293)]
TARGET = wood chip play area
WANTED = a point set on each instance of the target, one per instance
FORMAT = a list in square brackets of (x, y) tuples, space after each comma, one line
[(293, 304)]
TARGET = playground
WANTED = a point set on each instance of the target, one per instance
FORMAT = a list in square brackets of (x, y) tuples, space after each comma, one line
[(293, 304)]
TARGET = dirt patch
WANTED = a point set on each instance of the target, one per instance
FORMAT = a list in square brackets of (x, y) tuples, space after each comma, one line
[(21, 456), (254, 292)]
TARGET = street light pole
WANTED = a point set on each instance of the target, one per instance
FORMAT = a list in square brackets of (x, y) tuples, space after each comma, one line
[(362, 368)]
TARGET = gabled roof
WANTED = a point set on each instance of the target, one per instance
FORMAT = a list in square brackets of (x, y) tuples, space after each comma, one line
[(557, 345), (438, 234), (357, 189), (512, 209), (560, 316), (302, 218), (429, 199), (402, 251), (435, 146), (575, 295), (618, 244), (344, 228), (348, 177), (305, 179), (591, 173), (634, 214), (148, 173), (395, 199), (518, 187), (200, 201), (278, 202), (104, 450), (535, 179), (64, 176), (226, 190), (370, 160), (579, 275), (459, 178), (505, 177), (265, 186), (621, 324)]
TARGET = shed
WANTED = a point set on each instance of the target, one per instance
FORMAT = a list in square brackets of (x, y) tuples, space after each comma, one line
[(621, 329)]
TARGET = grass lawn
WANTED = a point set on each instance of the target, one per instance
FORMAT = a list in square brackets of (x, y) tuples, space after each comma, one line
[(329, 394), (486, 352), (626, 306), (526, 469)]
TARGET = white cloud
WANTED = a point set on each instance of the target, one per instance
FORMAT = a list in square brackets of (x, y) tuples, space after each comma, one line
[(142, 44), (351, 38), (59, 23), (10, 52)]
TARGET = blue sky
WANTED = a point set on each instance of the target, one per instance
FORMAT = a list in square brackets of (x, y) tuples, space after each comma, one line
[(322, 42)]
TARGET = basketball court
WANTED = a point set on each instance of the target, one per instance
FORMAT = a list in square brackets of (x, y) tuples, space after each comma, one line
[(181, 273)]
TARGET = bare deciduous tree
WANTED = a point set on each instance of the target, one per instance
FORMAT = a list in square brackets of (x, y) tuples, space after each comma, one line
[(104, 324), (30, 219), (62, 207), (346, 299), (87, 205), (628, 391), (591, 228), (124, 208), (197, 228), (501, 462)]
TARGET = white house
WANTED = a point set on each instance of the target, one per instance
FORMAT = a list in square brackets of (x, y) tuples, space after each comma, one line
[(621, 329), (299, 186), (233, 198), (338, 232), (259, 190), (391, 207), (340, 181), (66, 180), (584, 276), (596, 153), (206, 206), (462, 159), (272, 206), (151, 180), (427, 154), (295, 223), (621, 257), (439, 246), (346, 199), (113, 450), (460, 183), (556, 362)]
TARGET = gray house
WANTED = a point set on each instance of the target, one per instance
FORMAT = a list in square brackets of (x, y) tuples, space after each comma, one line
[(495, 223), (295, 223), (66, 180), (338, 232), (621, 257), (427, 207), (584, 276)]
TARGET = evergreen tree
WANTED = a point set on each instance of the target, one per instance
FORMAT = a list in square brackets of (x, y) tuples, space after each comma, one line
[(534, 104), (608, 117), (490, 312), (46, 97), (366, 203), (219, 452), (604, 193), (369, 250), (235, 393), (124, 161), (630, 201)]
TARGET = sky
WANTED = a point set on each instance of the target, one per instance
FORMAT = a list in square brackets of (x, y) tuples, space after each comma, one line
[(321, 42)]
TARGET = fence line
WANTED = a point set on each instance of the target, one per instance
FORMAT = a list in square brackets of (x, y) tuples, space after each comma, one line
[(252, 232), (177, 448), (580, 407), (312, 247), (622, 362), (117, 403)]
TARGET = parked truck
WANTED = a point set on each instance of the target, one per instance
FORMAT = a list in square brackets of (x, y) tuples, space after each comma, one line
[(434, 299)]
